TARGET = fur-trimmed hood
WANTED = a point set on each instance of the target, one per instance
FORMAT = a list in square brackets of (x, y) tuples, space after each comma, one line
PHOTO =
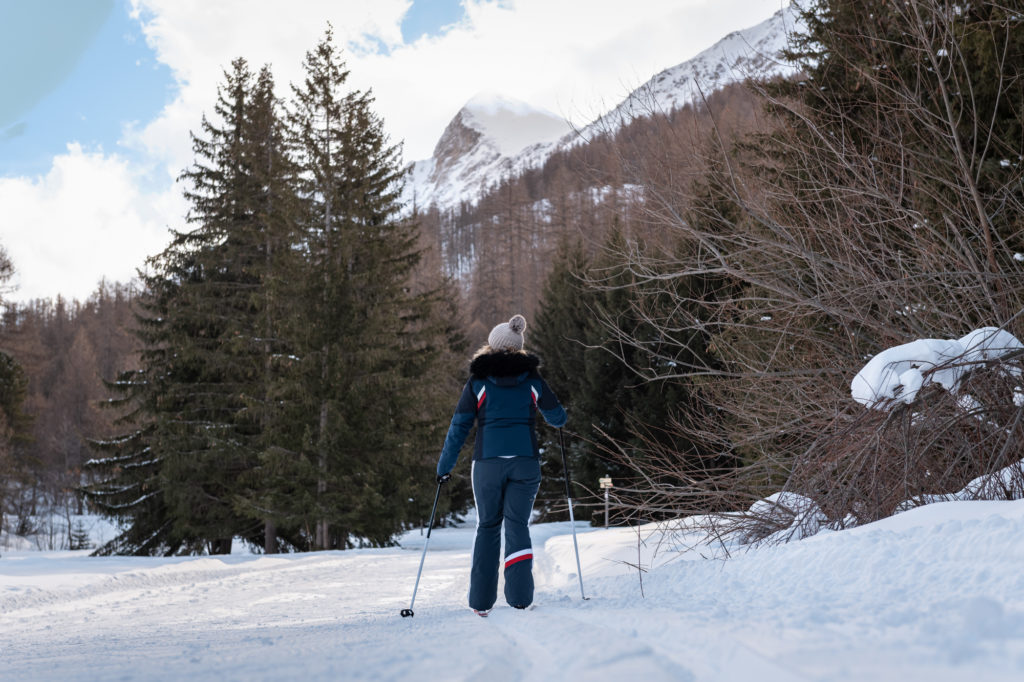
[(503, 364)]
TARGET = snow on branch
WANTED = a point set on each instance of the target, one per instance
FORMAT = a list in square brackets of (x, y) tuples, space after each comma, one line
[(897, 375)]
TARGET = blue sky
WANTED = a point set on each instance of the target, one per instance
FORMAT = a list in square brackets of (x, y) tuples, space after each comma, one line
[(98, 97), (90, 74), (428, 17)]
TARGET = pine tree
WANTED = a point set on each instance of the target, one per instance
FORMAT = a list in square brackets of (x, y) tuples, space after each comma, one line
[(127, 471), (365, 341), (78, 536), (214, 322), (559, 333), (273, 260), (15, 424), (201, 401), (14, 421)]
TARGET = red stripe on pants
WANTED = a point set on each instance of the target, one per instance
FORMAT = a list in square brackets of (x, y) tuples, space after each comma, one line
[(518, 559)]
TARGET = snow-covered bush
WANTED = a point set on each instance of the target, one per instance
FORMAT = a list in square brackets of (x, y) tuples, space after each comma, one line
[(945, 420), (781, 517)]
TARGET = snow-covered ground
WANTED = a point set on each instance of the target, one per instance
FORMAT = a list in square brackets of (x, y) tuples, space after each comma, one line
[(936, 593)]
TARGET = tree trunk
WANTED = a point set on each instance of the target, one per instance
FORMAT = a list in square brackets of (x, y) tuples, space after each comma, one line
[(220, 546), (322, 539), (269, 537)]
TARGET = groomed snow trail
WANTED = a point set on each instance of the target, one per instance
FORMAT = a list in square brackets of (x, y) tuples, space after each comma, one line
[(937, 594)]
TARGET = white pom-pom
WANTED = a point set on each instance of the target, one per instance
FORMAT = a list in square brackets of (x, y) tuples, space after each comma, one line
[(517, 324)]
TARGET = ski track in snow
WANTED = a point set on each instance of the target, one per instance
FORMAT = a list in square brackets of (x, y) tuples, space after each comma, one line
[(936, 593)]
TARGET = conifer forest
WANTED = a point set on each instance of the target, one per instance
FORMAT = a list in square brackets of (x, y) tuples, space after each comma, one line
[(701, 285)]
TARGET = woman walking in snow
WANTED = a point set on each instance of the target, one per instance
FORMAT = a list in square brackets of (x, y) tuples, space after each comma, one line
[(503, 394)]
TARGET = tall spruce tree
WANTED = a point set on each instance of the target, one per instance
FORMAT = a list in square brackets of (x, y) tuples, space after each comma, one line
[(364, 339), (207, 345), (272, 260)]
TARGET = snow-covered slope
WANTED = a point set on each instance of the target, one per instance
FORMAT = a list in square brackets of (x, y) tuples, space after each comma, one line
[(492, 137), (753, 52), (933, 594)]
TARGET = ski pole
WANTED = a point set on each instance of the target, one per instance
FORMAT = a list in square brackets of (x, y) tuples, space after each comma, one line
[(572, 519), (408, 612)]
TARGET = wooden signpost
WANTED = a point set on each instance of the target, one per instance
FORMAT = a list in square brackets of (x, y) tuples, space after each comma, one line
[(606, 485)]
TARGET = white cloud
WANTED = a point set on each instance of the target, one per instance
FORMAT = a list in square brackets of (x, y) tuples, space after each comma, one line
[(198, 39), (83, 220), (577, 58)]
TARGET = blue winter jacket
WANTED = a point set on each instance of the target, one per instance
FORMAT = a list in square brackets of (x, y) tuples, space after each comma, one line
[(504, 393)]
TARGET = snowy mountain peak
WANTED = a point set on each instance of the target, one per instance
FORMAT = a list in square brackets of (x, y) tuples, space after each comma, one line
[(490, 137), (512, 125), (486, 103)]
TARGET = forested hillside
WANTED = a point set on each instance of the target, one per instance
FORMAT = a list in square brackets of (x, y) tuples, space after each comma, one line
[(500, 247), (59, 353)]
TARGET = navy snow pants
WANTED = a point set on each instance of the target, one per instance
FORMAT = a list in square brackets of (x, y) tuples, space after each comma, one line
[(504, 490)]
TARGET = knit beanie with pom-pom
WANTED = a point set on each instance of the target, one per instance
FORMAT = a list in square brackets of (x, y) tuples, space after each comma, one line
[(508, 335)]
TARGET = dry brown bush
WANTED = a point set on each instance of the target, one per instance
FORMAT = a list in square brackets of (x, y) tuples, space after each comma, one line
[(822, 241)]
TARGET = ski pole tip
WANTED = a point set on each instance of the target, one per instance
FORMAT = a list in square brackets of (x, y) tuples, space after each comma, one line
[(406, 613)]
